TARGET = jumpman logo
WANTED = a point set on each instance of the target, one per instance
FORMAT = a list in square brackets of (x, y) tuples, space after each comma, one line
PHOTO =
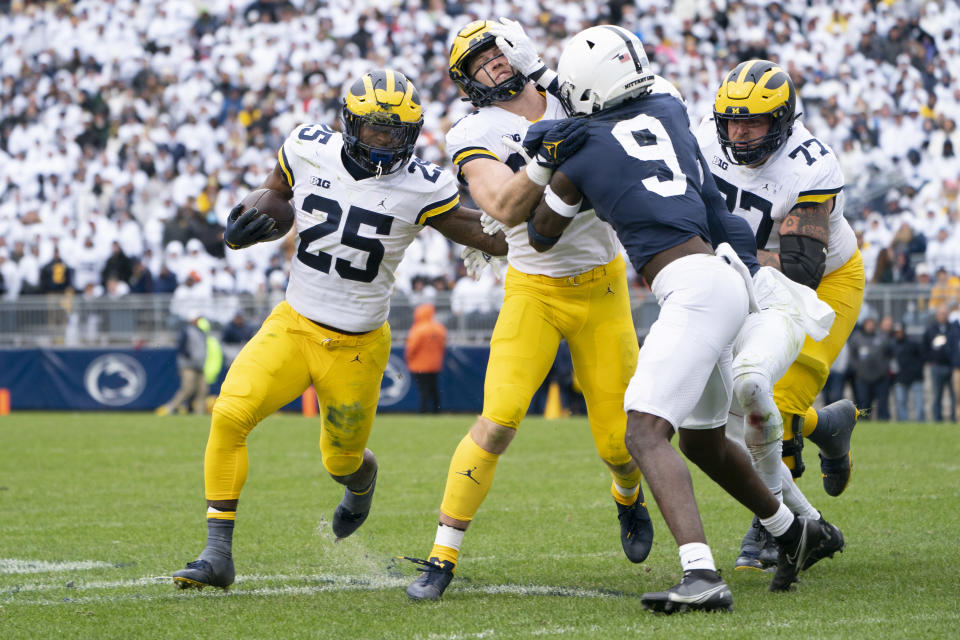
[(469, 474), (356, 358), (381, 205), (609, 290)]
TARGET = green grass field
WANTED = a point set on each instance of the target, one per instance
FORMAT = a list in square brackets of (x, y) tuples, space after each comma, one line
[(96, 510)]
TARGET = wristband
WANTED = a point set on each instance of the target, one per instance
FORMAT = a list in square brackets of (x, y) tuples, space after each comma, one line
[(538, 174), (545, 78), (560, 207), (539, 238)]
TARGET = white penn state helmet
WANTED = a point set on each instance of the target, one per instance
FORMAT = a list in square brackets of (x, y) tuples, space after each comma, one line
[(600, 68)]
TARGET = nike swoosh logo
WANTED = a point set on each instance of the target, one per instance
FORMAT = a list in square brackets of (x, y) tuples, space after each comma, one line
[(795, 558)]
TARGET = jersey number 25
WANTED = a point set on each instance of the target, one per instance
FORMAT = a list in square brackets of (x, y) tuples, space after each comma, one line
[(356, 216)]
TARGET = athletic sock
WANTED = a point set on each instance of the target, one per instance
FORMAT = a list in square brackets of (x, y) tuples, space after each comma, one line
[(219, 535), (446, 545), (794, 498), (696, 555), (780, 522), (468, 480), (626, 488)]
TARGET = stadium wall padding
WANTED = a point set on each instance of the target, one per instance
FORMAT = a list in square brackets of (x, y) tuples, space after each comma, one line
[(144, 379)]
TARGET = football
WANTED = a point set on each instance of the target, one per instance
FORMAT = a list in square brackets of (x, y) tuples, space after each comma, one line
[(271, 203)]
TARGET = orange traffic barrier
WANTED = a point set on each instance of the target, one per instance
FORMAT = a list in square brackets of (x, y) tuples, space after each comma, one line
[(309, 403), (4, 402)]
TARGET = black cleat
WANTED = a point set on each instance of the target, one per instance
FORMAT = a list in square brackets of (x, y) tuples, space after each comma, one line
[(201, 573), (758, 549), (352, 510), (795, 555), (699, 590), (436, 575), (636, 529), (835, 424), (833, 543)]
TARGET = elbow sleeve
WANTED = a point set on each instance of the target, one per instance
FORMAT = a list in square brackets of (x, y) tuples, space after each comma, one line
[(803, 259)]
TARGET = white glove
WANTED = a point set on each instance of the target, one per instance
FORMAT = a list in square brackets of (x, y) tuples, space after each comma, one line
[(491, 225), (725, 251), (513, 145), (475, 261), (516, 46)]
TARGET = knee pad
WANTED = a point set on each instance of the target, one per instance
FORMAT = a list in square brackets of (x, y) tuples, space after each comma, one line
[(750, 388), (763, 424)]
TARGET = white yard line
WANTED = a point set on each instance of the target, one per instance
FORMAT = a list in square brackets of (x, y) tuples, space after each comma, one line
[(79, 591), (19, 565)]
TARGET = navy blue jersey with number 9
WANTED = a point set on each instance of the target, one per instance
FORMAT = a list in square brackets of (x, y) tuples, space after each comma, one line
[(642, 170)]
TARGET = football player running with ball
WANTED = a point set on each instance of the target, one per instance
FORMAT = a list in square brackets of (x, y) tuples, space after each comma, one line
[(577, 292), (788, 185), (643, 172), (360, 198)]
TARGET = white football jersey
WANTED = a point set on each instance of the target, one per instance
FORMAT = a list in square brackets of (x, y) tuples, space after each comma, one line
[(351, 234), (803, 170), (587, 243)]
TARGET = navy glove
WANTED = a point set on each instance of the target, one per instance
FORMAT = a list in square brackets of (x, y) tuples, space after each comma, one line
[(562, 141), (558, 141), (246, 228), (535, 134)]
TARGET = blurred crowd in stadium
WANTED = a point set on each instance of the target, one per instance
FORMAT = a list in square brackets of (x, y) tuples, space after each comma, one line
[(129, 128)]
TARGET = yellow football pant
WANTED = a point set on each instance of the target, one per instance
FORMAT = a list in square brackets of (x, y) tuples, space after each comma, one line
[(287, 355), (592, 312), (795, 392)]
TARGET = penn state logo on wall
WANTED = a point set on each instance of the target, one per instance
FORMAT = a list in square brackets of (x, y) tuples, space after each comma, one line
[(115, 379), (396, 382)]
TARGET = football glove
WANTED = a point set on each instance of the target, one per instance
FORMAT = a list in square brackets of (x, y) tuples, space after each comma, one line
[(475, 261), (513, 145), (490, 225), (561, 140), (516, 46), (247, 228), (520, 52)]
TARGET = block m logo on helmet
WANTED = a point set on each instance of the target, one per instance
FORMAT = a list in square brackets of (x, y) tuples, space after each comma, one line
[(754, 90), (382, 117)]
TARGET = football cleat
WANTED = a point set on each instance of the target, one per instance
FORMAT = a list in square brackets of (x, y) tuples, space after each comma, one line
[(832, 544), (352, 510), (699, 590), (202, 573), (795, 554), (636, 529), (835, 424), (758, 549), (435, 575)]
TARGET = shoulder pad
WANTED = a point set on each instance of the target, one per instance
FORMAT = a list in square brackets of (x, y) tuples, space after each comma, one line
[(467, 129)]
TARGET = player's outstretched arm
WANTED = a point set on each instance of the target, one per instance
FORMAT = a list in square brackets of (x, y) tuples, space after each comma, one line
[(804, 234), (504, 195), (462, 225), (561, 202)]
